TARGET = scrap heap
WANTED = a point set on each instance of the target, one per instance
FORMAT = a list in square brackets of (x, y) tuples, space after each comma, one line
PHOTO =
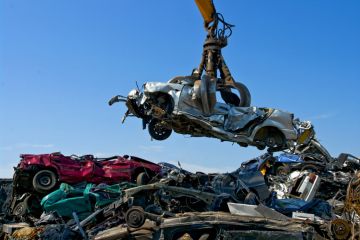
[(284, 195), (296, 190)]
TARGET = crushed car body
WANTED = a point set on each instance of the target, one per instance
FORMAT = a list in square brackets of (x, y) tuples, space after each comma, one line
[(164, 107), (38, 175), (44, 171)]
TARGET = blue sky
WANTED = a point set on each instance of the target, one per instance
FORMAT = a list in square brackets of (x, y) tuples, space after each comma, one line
[(60, 62)]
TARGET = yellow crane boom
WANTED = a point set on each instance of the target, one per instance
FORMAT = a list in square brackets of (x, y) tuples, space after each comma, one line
[(207, 10)]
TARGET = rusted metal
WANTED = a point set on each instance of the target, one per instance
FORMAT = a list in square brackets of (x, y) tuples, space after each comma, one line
[(340, 229), (352, 202)]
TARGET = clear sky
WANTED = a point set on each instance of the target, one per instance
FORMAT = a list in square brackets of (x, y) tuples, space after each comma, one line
[(61, 61)]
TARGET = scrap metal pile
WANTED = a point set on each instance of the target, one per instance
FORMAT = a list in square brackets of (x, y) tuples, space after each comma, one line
[(296, 190), (286, 195)]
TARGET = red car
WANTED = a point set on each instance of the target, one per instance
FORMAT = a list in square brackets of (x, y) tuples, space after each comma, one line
[(42, 172)]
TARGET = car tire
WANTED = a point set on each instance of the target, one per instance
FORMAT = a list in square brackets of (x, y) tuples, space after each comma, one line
[(44, 181), (21, 208), (142, 178), (135, 217), (158, 131)]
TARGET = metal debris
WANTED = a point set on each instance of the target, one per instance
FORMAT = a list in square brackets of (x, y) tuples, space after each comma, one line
[(257, 199)]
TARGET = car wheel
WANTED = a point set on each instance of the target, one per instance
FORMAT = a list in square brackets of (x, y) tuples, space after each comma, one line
[(270, 141), (135, 217), (158, 131), (44, 181), (274, 140), (142, 178), (21, 208)]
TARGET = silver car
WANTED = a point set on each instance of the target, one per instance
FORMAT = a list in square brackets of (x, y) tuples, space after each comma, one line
[(190, 106)]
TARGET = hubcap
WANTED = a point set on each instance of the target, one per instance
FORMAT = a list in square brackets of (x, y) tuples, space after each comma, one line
[(45, 180), (159, 129), (19, 209)]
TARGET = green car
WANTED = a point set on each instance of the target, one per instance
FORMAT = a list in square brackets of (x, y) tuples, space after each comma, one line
[(83, 200)]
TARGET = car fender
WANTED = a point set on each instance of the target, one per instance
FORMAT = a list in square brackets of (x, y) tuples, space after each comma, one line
[(288, 131)]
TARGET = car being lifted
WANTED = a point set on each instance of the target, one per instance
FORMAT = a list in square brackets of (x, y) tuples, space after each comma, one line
[(178, 105)]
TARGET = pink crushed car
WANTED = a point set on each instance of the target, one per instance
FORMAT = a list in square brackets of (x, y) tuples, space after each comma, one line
[(42, 172)]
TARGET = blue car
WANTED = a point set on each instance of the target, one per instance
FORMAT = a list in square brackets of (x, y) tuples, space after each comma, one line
[(286, 163), (283, 164)]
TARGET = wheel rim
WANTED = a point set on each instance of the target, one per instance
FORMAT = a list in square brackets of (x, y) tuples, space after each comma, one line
[(159, 130), (135, 217), (44, 180), (19, 209)]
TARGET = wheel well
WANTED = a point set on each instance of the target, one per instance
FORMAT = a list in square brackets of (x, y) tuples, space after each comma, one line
[(54, 170), (168, 99), (24, 182), (254, 191), (263, 132)]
